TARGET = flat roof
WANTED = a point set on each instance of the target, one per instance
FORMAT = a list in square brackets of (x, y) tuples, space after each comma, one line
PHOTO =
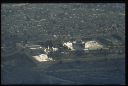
[(90, 45), (35, 46)]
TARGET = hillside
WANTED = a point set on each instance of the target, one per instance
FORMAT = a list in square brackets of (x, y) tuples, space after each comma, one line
[(61, 22)]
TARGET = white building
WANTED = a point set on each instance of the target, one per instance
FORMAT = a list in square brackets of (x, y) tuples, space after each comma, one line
[(79, 45)]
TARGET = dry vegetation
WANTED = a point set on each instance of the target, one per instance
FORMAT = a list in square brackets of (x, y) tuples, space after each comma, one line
[(80, 20)]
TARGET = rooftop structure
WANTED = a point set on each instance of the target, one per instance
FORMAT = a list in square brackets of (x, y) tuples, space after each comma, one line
[(79, 45), (41, 57), (47, 50), (33, 47)]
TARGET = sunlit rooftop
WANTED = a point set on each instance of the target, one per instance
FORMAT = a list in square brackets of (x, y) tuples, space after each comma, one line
[(90, 45)]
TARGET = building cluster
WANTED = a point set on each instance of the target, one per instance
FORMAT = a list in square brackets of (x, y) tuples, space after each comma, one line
[(54, 46)]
